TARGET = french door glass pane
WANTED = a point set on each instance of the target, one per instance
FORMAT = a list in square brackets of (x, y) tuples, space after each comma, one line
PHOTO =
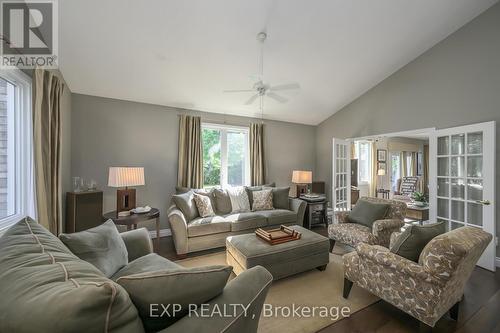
[(475, 214), (475, 143), (455, 225), (475, 166), (443, 145), (443, 187), (443, 208), (7, 149), (458, 144), (443, 166), (457, 166), (475, 189), (457, 188), (457, 210)]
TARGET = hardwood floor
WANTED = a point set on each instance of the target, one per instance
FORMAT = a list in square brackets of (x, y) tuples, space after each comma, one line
[(479, 310)]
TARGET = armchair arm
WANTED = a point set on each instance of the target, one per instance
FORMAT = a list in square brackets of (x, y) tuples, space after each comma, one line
[(382, 229), (178, 225), (399, 265), (342, 217), (248, 290), (299, 207), (138, 243)]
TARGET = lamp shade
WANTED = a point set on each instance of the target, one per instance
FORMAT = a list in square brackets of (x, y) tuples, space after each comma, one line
[(381, 172), (125, 176), (302, 177)]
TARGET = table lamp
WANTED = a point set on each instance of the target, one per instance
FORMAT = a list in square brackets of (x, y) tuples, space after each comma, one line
[(302, 179), (380, 172), (124, 177)]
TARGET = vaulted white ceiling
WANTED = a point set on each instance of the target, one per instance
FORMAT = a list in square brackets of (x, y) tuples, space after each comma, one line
[(184, 53)]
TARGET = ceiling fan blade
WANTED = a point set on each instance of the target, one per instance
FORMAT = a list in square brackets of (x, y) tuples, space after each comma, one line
[(251, 99), (238, 91), (288, 86), (277, 97)]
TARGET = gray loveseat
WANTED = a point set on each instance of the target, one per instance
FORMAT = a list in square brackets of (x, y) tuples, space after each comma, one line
[(202, 233), (46, 288)]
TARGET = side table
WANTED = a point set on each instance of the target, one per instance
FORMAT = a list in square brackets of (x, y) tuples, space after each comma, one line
[(132, 220), (316, 213)]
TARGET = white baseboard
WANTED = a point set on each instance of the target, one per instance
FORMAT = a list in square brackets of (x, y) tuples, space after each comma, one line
[(163, 233), (497, 261)]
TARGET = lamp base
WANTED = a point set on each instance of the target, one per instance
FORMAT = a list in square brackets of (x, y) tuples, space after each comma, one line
[(125, 199), (302, 189)]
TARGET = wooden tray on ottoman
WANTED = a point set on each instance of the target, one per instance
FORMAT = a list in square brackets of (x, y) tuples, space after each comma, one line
[(277, 236)]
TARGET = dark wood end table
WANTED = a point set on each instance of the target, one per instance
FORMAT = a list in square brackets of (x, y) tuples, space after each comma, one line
[(132, 220), (316, 213)]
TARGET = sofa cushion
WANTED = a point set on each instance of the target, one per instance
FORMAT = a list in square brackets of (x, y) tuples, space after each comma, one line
[(102, 246), (244, 221), (185, 202), (366, 212), (280, 197), (239, 199), (410, 243), (148, 263), (222, 201), (46, 288), (180, 286), (208, 225), (204, 205), (279, 216), (262, 200)]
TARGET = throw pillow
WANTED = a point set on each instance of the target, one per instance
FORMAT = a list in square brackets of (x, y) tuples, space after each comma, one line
[(185, 202), (222, 202), (262, 200), (366, 212), (280, 197), (250, 190), (239, 199), (182, 286), (410, 243), (204, 205), (101, 246)]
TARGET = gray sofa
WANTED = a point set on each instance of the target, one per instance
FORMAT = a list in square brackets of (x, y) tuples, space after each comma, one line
[(46, 288), (202, 233)]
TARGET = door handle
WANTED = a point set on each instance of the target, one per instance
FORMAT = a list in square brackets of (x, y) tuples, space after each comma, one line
[(484, 202)]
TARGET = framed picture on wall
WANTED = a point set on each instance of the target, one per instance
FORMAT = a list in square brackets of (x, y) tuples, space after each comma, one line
[(381, 155)]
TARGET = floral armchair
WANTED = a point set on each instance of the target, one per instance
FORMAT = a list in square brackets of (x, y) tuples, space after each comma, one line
[(426, 290), (353, 234)]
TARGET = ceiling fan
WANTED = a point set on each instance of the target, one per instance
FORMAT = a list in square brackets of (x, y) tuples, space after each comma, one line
[(262, 88)]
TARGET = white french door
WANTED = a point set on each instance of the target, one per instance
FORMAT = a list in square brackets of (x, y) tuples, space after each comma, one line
[(462, 180), (341, 176)]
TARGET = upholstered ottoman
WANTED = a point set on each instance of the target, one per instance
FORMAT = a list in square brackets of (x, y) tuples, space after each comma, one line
[(309, 252)]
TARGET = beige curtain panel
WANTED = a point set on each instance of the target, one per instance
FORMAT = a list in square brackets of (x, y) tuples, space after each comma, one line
[(414, 164), (190, 168), (47, 93), (403, 164), (257, 165)]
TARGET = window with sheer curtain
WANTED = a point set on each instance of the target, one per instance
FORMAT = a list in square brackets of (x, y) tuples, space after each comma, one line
[(226, 160)]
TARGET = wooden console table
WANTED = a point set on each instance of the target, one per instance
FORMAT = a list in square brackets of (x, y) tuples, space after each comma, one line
[(420, 214)]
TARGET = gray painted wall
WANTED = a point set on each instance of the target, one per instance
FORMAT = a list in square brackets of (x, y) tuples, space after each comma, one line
[(108, 132), (455, 83)]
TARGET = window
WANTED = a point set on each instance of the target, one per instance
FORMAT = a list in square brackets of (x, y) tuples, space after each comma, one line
[(395, 170), (363, 153), (16, 157), (226, 159)]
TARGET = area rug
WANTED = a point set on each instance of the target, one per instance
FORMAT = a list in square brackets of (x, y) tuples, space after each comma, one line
[(311, 288)]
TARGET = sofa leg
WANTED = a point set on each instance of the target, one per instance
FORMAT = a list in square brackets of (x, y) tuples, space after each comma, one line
[(332, 244), (321, 268), (454, 311), (424, 328), (347, 287)]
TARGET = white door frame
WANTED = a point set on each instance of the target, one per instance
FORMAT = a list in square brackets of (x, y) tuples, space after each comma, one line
[(344, 173)]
